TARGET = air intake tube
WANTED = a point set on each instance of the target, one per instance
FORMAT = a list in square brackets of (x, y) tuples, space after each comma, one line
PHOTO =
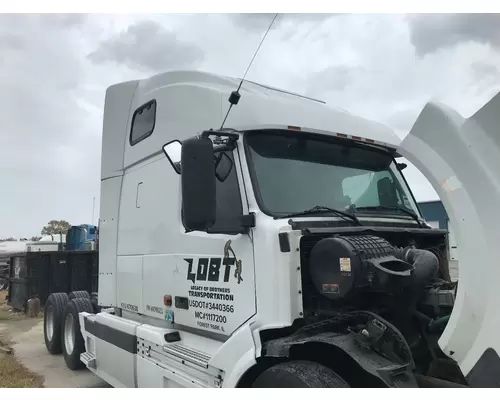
[(425, 262), (426, 266)]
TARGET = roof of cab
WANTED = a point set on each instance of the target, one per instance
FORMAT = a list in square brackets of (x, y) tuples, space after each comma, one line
[(189, 102), (262, 106)]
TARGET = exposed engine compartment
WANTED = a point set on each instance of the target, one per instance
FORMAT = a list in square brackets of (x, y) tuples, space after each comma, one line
[(343, 267), (358, 270), (401, 276), (350, 269)]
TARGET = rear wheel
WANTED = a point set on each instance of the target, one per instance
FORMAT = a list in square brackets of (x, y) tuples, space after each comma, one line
[(73, 344), (52, 321), (79, 294), (95, 302), (299, 374)]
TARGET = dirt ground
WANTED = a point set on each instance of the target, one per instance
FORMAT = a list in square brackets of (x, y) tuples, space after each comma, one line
[(29, 364), (13, 374)]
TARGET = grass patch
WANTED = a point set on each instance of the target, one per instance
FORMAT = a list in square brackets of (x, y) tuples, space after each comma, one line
[(6, 312), (4, 308), (12, 373)]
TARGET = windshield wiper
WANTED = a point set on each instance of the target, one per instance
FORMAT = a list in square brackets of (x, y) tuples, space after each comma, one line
[(394, 208), (324, 209)]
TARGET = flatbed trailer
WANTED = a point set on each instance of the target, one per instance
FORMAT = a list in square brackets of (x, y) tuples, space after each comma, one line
[(38, 274)]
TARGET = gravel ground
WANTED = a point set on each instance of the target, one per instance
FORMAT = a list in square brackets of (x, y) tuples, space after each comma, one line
[(30, 350), (25, 337)]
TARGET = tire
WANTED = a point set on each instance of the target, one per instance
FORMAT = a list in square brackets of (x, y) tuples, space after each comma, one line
[(52, 321), (73, 344), (79, 294), (299, 374), (95, 303)]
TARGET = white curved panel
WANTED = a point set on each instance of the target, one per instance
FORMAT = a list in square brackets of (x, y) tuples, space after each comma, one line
[(461, 159)]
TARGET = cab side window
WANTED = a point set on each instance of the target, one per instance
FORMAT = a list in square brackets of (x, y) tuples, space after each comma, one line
[(143, 122)]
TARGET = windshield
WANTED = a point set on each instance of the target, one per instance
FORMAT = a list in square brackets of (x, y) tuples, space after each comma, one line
[(295, 173)]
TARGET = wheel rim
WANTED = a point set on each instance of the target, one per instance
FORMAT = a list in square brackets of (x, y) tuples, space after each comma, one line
[(69, 334), (49, 324)]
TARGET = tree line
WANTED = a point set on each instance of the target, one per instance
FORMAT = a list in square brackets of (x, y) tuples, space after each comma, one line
[(53, 227)]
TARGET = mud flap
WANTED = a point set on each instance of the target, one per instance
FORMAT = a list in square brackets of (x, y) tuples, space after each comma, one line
[(461, 159)]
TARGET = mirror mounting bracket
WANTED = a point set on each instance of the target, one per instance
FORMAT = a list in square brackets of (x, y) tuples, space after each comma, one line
[(223, 139), (248, 220)]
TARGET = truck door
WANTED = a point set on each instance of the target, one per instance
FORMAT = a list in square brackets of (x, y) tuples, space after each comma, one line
[(202, 282), (220, 284), (461, 159)]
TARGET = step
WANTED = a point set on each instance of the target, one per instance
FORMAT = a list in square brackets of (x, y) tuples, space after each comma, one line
[(88, 359), (187, 354)]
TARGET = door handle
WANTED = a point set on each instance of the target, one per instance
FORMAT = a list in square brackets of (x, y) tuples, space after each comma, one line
[(137, 196)]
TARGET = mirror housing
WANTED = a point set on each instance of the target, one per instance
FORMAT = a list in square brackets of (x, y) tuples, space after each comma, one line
[(198, 184)]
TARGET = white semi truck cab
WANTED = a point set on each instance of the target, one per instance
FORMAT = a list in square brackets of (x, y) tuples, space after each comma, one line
[(284, 249)]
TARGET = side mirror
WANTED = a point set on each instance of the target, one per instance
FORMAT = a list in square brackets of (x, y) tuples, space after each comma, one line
[(223, 166), (402, 166), (173, 152), (198, 184)]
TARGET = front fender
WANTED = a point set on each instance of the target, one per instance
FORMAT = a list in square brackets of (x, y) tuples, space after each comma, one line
[(236, 356), (394, 369), (244, 364)]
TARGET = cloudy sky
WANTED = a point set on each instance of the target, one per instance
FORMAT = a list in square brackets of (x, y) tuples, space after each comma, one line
[(54, 70)]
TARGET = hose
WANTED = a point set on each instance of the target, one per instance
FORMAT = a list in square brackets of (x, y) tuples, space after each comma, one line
[(426, 266), (438, 325)]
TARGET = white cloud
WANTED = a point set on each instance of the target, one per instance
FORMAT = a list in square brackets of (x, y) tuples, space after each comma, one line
[(430, 32), (148, 45), (54, 70), (260, 21)]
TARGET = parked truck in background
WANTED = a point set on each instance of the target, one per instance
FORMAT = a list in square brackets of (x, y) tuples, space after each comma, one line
[(286, 249), (81, 237)]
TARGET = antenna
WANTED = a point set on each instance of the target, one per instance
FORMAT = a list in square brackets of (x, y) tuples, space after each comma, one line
[(234, 97)]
